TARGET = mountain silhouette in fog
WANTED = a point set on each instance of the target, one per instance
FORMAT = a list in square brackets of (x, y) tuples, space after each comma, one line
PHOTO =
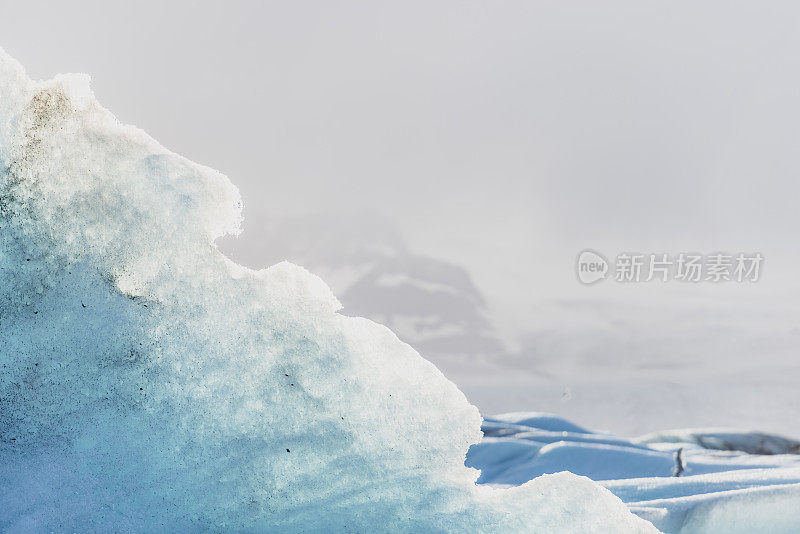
[(429, 303)]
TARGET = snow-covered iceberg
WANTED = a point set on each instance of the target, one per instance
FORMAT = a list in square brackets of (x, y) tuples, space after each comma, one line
[(148, 383)]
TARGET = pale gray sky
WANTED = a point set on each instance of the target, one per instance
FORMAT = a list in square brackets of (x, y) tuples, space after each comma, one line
[(502, 136)]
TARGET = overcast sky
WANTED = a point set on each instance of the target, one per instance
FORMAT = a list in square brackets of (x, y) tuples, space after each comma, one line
[(504, 136)]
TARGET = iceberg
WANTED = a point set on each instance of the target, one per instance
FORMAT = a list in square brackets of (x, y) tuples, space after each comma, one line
[(149, 383)]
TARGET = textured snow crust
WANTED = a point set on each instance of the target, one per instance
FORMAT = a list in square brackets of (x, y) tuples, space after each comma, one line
[(147, 383), (683, 481)]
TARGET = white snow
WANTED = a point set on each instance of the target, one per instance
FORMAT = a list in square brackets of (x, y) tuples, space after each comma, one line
[(726, 439), (693, 480)]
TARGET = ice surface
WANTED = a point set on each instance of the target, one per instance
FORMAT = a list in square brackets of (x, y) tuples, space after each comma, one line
[(540, 421), (150, 384), (753, 487), (768, 509), (727, 440)]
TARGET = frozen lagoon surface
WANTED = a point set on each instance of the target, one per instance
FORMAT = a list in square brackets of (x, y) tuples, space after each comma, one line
[(148, 383)]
